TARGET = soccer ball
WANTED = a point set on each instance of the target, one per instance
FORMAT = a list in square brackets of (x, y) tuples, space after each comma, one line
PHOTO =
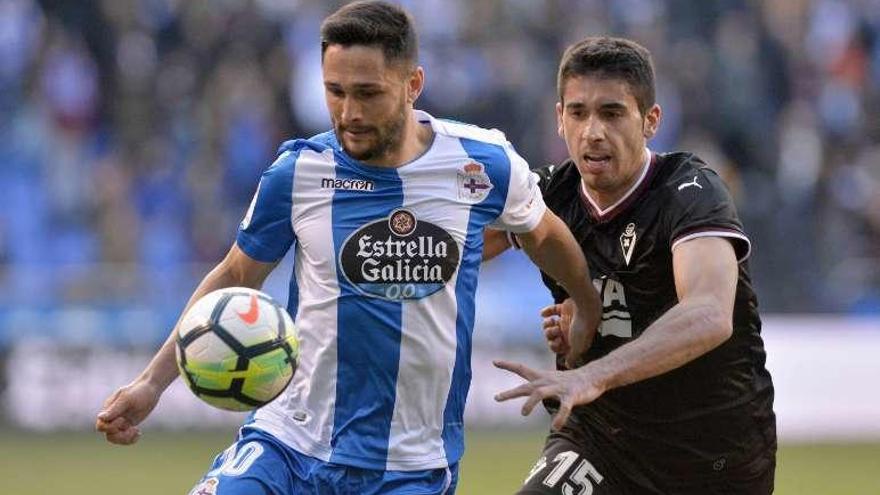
[(237, 348)]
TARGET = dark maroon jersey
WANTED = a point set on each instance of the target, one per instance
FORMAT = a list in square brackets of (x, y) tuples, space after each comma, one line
[(719, 406)]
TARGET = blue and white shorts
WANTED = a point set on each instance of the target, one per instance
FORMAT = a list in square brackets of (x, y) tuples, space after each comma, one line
[(259, 464)]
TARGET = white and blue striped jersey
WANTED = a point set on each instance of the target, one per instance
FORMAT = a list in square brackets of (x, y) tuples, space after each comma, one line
[(382, 292)]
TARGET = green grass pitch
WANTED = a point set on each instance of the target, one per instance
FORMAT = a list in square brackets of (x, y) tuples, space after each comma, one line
[(495, 463)]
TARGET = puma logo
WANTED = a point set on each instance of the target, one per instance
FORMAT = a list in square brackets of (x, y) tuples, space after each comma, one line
[(688, 184)]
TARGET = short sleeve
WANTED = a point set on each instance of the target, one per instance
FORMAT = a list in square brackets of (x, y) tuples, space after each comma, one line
[(702, 207), (544, 175), (524, 206), (266, 232)]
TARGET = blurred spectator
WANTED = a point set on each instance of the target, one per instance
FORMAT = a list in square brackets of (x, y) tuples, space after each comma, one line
[(132, 133)]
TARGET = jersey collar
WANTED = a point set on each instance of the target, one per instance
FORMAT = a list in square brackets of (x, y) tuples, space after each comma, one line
[(604, 215)]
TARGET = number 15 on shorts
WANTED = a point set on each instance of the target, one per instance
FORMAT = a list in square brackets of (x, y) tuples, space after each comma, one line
[(580, 480)]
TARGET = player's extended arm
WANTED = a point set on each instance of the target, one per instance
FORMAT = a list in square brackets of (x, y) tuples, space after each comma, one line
[(131, 404), (705, 271), (495, 242), (554, 249)]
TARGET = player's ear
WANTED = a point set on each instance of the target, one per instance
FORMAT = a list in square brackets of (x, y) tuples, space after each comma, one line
[(559, 129), (415, 84), (652, 121)]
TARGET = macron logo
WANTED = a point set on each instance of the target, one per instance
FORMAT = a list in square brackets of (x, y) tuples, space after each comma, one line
[(348, 184)]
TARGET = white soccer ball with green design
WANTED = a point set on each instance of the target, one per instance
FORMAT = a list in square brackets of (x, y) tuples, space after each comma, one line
[(237, 349)]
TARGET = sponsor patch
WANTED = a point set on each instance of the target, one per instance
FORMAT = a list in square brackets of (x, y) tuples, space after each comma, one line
[(399, 257), (473, 182)]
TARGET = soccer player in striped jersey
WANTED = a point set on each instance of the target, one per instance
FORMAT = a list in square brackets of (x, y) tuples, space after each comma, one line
[(385, 214)]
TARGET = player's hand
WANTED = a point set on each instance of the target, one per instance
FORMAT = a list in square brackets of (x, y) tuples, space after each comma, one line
[(569, 332), (571, 388), (125, 409), (556, 325)]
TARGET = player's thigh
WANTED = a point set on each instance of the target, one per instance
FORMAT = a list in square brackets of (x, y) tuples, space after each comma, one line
[(755, 478), (252, 465), (569, 468)]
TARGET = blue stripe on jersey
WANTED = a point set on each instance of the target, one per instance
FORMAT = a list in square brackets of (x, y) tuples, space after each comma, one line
[(497, 166), (269, 233), (293, 294), (295, 146), (368, 329)]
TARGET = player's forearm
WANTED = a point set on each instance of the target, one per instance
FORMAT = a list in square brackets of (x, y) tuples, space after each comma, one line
[(556, 252), (686, 332), (162, 370)]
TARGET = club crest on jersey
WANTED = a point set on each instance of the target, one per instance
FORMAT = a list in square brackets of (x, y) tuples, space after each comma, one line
[(399, 257), (473, 182), (628, 242)]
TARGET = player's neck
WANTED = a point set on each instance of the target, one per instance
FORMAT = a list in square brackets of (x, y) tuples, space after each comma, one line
[(415, 140)]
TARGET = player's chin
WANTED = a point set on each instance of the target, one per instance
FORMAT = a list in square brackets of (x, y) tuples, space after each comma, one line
[(601, 180), (360, 150)]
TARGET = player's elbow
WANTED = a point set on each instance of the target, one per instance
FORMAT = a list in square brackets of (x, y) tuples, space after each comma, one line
[(717, 325), (724, 329)]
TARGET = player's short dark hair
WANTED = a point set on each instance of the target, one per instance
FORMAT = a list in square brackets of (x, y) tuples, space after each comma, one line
[(610, 58), (372, 23)]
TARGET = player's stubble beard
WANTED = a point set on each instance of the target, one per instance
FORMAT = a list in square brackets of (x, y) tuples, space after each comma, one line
[(388, 137), (627, 161)]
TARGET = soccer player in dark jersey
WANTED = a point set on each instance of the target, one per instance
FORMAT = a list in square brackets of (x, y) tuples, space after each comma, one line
[(670, 395)]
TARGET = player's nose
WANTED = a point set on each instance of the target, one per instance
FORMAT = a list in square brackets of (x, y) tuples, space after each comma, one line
[(352, 112), (594, 130)]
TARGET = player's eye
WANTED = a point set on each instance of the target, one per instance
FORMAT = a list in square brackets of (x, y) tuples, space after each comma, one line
[(612, 114)]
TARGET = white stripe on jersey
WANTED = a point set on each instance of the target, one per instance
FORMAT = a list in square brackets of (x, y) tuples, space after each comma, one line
[(312, 392), (428, 344)]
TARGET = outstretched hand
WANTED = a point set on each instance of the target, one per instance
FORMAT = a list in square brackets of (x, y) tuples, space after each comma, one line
[(571, 388), (124, 410)]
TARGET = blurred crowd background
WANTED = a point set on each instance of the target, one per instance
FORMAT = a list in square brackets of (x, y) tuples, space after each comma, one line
[(133, 132)]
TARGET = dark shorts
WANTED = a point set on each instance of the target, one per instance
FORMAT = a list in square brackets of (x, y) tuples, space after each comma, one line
[(575, 463), (569, 467)]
